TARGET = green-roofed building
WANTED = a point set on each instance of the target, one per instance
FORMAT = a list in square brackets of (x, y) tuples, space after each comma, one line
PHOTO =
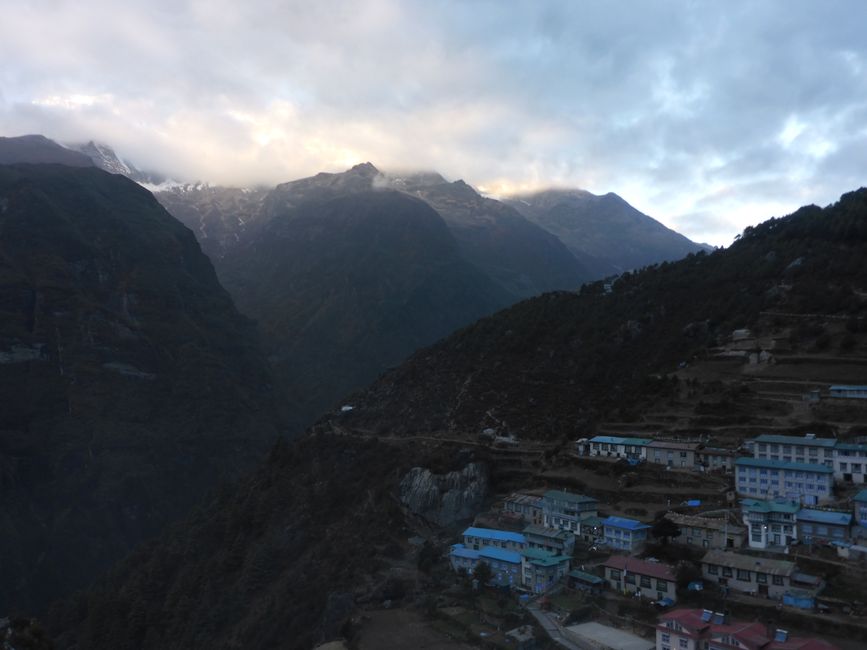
[(619, 447), (771, 523), (564, 510), (541, 570)]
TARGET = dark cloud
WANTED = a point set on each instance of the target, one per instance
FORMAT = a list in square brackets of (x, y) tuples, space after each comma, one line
[(709, 116)]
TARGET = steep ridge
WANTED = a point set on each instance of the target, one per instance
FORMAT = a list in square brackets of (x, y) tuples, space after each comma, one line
[(256, 568), (344, 287), (35, 149), (523, 258), (604, 232), (130, 384)]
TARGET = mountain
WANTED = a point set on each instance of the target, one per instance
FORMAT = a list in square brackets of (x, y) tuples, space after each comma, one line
[(604, 232), (321, 530), (104, 157), (32, 149), (222, 218), (345, 287), (520, 256), (130, 384)]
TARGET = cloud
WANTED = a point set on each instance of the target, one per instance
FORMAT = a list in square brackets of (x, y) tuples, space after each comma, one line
[(700, 114)]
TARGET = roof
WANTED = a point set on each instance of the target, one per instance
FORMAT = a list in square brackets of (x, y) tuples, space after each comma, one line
[(560, 495), (696, 521), (623, 522), (772, 505), (586, 577), (494, 553), (459, 550), (666, 444), (806, 579), (543, 558), (826, 517), (781, 464), (493, 533), (529, 499), (861, 497), (851, 446), (550, 533), (796, 440), (848, 387), (641, 567), (718, 451), (617, 440), (590, 521), (749, 563)]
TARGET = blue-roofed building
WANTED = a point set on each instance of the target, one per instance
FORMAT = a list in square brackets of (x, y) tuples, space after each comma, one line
[(848, 392), (512, 562), (477, 538), (860, 502), (625, 534), (820, 526), (619, 447), (794, 449), (505, 565), (768, 479)]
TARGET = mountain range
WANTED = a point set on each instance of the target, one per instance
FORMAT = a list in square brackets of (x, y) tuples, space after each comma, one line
[(296, 286)]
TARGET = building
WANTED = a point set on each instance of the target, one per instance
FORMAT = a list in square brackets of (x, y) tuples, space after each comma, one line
[(681, 455), (716, 459), (526, 507), (506, 569), (541, 570), (794, 449), (477, 538), (748, 574), (652, 580), (769, 478), (848, 392), (591, 530), (822, 526), (696, 629), (708, 532), (617, 447), (552, 540), (583, 581), (770, 523), (850, 462), (624, 534), (564, 510), (512, 561), (603, 637), (860, 503)]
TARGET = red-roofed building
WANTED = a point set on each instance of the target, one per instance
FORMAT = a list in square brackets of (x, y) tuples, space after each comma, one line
[(697, 629), (652, 580)]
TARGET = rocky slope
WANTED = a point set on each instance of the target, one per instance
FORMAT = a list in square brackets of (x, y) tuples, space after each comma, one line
[(345, 287), (130, 384), (34, 149), (604, 232), (257, 568)]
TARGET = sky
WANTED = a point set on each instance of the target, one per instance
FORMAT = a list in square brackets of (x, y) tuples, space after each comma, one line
[(709, 116)]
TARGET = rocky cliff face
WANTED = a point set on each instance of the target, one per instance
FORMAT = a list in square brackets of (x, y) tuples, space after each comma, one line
[(129, 383), (445, 499)]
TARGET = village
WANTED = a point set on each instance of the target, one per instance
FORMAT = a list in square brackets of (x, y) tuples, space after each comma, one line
[(780, 536)]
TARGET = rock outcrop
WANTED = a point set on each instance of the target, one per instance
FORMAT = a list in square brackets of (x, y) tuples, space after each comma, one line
[(445, 499)]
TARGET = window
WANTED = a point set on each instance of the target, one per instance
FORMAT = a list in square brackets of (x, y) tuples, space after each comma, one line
[(727, 571), (661, 585), (744, 575), (629, 578), (645, 582), (762, 578), (712, 569), (614, 573), (778, 580), (684, 643), (666, 638)]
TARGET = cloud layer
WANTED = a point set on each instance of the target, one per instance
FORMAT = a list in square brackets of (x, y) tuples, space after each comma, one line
[(708, 116)]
